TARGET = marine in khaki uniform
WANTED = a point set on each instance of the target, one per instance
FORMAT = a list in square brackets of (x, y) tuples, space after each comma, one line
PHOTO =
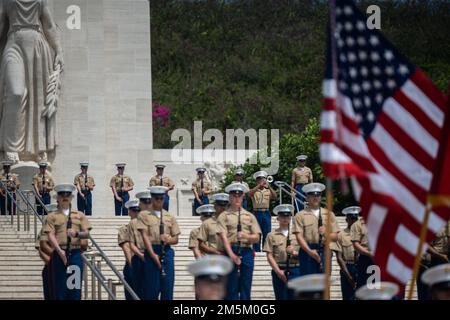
[(261, 196), (209, 241), (346, 254), (43, 184), (301, 176), (124, 240), (309, 287), (437, 279), (282, 250), (137, 244), (121, 185), (210, 273), (159, 231), (436, 254), (309, 228), (160, 180), (239, 178), (85, 184), (238, 230), (65, 229), (358, 233), (10, 182), (193, 243), (201, 188)]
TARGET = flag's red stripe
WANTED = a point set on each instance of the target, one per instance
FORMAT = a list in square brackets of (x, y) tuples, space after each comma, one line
[(328, 104), (418, 191), (427, 87), (350, 124), (418, 114), (334, 170), (326, 136), (402, 138)]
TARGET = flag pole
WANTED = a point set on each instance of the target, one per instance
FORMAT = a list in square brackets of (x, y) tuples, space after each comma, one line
[(423, 234), (326, 292)]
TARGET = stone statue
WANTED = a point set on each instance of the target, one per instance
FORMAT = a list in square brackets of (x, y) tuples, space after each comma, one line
[(31, 64), (215, 174)]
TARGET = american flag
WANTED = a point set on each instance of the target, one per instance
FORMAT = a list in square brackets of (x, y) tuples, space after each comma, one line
[(381, 125)]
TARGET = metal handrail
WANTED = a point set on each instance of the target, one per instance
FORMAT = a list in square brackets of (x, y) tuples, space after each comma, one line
[(282, 187), (114, 269), (99, 276)]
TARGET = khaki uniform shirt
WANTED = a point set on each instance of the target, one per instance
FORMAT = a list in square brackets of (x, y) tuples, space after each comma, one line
[(197, 185), (228, 221), (261, 199), (48, 180), (307, 224), (41, 237), (57, 223), (135, 235), (276, 244), (302, 175), (193, 242), (150, 222), (123, 235), (208, 234), (80, 180), (358, 232), (156, 181), (116, 181), (440, 244), (344, 245), (12, 184)]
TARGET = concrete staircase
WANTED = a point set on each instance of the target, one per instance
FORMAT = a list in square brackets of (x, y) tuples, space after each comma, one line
[(20, 265)]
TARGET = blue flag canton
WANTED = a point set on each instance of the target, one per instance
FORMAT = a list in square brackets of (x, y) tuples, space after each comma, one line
[(370, 69)]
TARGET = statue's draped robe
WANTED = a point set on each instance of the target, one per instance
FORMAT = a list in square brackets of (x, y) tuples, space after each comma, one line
[(26, 64)]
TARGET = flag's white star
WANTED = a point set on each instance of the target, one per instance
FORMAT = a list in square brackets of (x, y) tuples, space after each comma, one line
[(376, 71), (403, 69), (366, 85), (364, 71), (360, 25), (370, 116), (379, 98), (361, 41), (350, 41), (348, 10), (351, 57), (374, 56), (388, 55), (362, 55), (355, 88), (389, 70), (357, 103), (353, 72), (348, 26), (377, 84), (391, 84), (374, 40), (342, 57), (367, 101)]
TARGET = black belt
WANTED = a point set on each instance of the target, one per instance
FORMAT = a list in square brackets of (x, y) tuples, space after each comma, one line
[(290, 266), (72, 247), (261, 209)]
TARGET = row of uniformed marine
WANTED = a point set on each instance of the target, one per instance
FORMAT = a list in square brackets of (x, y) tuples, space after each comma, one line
[(227, 229)]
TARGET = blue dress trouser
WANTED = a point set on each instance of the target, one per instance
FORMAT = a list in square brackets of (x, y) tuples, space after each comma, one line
[(120, 205), (299, 199), (265, 223), (7, 206), (58, 277), (307, 264), (361, 266), (45, 283), (128, 276), (155, 285), (240, 279), (45, 200), (137, 271), (166, 202), (280, 288), (83, 205), (197, 204), (348, 292)]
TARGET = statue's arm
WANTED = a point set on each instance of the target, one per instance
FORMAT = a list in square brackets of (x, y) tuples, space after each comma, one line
[(51, 32)]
